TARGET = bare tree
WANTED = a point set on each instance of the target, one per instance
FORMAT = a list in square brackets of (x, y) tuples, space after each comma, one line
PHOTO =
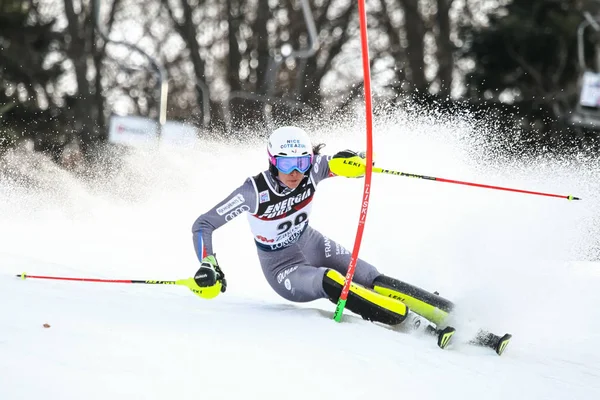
[(414, 29), (337, 33), (79, 49), (445, 48), (187, 28)]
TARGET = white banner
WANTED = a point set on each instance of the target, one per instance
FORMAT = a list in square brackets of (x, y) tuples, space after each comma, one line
[(132, 131), (140, 131)]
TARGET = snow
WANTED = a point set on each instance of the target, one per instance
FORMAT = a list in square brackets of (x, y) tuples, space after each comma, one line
[(511, 262)]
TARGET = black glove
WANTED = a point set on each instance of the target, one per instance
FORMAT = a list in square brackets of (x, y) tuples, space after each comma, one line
[(350, 153), (210, 273), (347, 154)]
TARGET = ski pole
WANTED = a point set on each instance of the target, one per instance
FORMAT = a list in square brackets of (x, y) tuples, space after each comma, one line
[(189, 282), (433, 178)]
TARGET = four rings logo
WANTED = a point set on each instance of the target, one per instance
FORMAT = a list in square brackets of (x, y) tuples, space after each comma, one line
[(236, 212)]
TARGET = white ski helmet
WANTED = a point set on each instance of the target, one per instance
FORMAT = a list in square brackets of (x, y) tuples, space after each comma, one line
[(292, 146)]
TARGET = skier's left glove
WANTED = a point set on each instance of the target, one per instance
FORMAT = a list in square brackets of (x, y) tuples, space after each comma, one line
[(348, 163), (209, 281)]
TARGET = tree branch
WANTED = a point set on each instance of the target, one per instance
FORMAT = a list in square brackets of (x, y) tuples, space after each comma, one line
[(535, 75)]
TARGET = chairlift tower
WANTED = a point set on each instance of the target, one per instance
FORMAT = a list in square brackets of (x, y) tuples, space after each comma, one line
[(587, 111)]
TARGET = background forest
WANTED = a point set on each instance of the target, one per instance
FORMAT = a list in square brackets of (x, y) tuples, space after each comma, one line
[(232, 66)]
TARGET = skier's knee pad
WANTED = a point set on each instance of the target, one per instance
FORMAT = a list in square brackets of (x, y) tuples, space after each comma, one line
[(364, 302)]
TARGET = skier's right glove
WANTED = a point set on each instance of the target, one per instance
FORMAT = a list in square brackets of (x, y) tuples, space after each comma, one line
[(349, 164), (210, 279)]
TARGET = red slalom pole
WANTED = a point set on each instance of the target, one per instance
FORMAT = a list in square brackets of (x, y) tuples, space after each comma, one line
[(339, 310), (480, 185)]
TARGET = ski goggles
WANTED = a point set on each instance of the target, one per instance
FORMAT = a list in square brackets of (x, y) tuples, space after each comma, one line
[(288, 164)]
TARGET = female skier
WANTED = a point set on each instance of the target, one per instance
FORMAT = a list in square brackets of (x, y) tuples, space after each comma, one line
[(299, 263)]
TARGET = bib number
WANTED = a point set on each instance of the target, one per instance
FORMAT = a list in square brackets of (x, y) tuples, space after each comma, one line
[(287, 225)]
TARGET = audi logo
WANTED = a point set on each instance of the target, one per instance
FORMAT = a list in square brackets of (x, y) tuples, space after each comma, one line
[(236, 212)]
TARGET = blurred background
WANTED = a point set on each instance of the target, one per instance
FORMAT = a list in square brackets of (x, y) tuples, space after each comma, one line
[(78, 75)]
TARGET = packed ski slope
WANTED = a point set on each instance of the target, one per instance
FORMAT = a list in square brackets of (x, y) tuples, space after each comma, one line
[(511, 262)]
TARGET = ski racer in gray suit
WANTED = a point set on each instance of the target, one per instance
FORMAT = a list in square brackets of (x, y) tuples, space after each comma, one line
[(300, 263)]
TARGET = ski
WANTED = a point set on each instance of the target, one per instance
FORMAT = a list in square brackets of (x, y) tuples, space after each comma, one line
[(495, 342), (483, 338), (443, 335), (502, 343)]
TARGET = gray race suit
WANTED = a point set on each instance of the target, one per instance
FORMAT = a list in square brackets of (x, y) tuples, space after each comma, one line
[(293, 256)]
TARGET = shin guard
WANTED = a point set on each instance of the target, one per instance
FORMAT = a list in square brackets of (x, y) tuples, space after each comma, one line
[(365, 302)]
